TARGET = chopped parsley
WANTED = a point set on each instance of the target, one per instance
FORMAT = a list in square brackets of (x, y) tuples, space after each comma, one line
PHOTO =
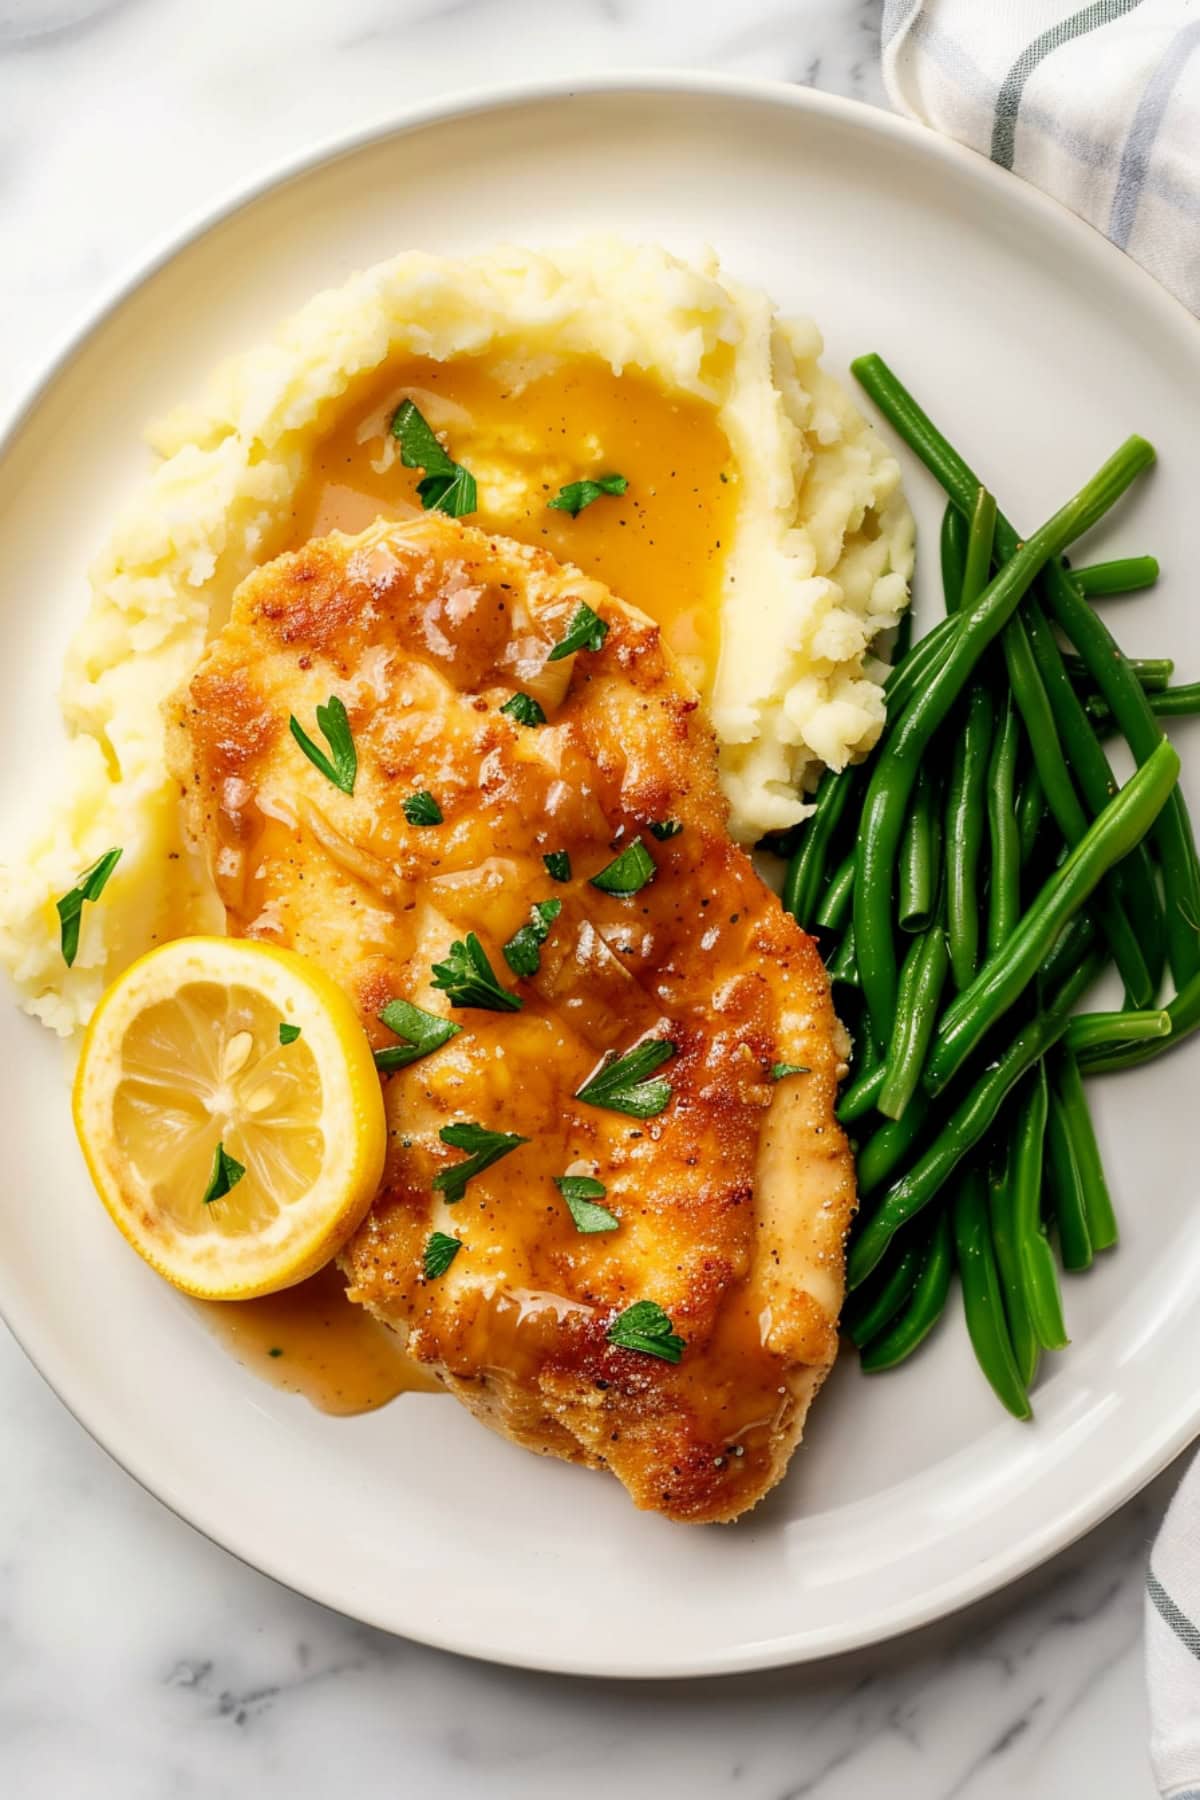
[(662, 829), (288, 1033), (422, 809), (587, 631), (558, 865), (578, 494), (645, 1326), (524, 709), (581, 1193), (422, 1032), (627, 873), (780, 1071), (467, 976), (485, 1147), (623, 1085), (225, 1174), (447, 487), (90, 886), (523, 951), (440, 1252), (341, 765), (275, 1350)]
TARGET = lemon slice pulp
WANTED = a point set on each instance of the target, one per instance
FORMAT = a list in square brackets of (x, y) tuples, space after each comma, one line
[(185, 1076)]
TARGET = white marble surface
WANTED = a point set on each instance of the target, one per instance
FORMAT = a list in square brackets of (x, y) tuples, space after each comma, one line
[(138, 1661)]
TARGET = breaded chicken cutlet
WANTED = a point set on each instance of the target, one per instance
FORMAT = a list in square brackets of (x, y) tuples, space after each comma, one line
[(729, 1181)]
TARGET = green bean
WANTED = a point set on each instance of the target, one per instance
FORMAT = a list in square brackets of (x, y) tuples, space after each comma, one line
[(835, 904), (1136, 881), (1097, 1200), (805, 877), (1065, 1187), (1002, 1214), (980, 539), (1004, 890), (1090, 637), (916, 1019), (1039, 1275), (873, 1307), (1131, 708), (954, 556), (844, 967), (983, 1302), (895, 770), (905, 995), (965, 803), (1031, 812), (967, 1125), (1076, 982), (1176, 702), (1172, 703), (1184, 1014), (920, 856), (885, 1151), (1153, 672), (1005, 976), (1126, 575), (860, 1097), (1067, 952), (1100, 1030), (1033, 701), (925, 1307), (806, 871), (908, 677)]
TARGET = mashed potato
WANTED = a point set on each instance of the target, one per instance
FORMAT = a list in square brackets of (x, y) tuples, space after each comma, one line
[(817, 566)]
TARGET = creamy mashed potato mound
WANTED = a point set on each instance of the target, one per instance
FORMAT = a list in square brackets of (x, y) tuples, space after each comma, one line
[(816, 568)]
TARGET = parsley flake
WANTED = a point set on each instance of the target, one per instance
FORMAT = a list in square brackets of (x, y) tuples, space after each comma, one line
[(447, 487), (288, 1033), (558, 865), (622, 1085), (440, 1251), (780, 1071), (469, 979), (422, 809), (485, 1147), (422, 1032), (645, 1326), (627, 873), (662, 829), (225, 1174), (522, 952), (587, 631), (341, 765), (90, 886), (275, 1350), (581, 1193), (524, 709), (578, 494)]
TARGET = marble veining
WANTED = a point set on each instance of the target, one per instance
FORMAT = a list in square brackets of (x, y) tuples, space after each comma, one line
[(136, 1659)]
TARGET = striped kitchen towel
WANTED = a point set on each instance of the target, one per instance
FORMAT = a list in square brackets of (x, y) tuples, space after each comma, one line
[(1173, 1644), (1098, 104)]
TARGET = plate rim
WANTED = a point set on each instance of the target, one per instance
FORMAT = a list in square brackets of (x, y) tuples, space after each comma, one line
[(1178, 1431)]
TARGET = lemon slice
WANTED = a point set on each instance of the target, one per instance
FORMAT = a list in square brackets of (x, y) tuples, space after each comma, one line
[(235, 1158)]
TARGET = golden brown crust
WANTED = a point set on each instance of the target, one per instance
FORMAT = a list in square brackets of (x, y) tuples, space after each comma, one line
[(734, 1201)]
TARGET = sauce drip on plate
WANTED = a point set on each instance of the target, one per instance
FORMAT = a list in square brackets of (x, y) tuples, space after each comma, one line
[(311, 1340), (525, 432)]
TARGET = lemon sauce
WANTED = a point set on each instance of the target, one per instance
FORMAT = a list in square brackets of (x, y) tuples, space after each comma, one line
[(311, 1340)]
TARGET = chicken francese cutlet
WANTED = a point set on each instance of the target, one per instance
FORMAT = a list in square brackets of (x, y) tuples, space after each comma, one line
[(615, 1196)]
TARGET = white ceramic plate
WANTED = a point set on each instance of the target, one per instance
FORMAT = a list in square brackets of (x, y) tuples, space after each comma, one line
[(1038, 347)]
